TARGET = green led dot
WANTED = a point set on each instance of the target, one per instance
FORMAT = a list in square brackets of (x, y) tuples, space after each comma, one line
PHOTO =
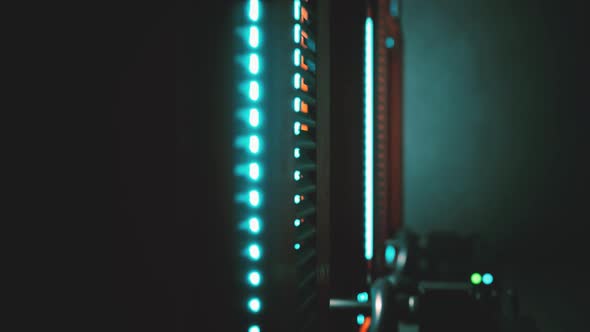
[(476, 278)]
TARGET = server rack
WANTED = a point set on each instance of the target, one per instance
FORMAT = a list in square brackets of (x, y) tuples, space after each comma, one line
[(281, 140)]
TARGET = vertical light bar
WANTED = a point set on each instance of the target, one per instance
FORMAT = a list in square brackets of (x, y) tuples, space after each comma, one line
[(297, 104), (254, 91), (254, 37), (297, 10), (254, 117), (254, 63), (297, 33), (369, 138), (297, 81), (297, 57), (254, 10)]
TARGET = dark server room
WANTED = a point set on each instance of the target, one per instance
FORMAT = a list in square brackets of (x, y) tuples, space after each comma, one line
[(320, 165)]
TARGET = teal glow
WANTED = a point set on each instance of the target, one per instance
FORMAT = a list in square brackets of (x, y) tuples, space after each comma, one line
[(488, 278), (254, 171), (360, 319), (297, 175), (254, 117), (254, 10), (254, 305), (254, 278), (297, 199), (297, 80), (369, 138), (254, 252), (297, 246), (297, 104), (389, 254), (394, 8), (297, 128), (254, 225), (254, 328), (297, 222), (254, 37), (389, 42), (297, 57), (296, 153), (254, 198), (254, 90), (297, 10), (254, 64), (254, 144), (362, 297), (476, 278), (297, 33)]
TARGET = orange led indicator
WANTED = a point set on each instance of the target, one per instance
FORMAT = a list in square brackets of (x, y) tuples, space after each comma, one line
[(304, 107), (303, 64), (366, 325), (304, 15), (304, 127), (304, 86), (304, 36)]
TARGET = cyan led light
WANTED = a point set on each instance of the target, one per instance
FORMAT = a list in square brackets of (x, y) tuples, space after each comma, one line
[(297, 57), (254, 252), (254, 198), (369, 138), (254, 37), (389, 254), (254, 225), (297, 33), (297, 128), (254, 10), (254, 328), (362, 297), (254, 90), (389, 42), (297, 246), (360, 319), (297, 222), (297, 104), (254, 144), (296, 153), (297, 199), (254, 305), (297, 9), (487, 279), (254, 117), (254, 278), (254, 171), (297, 80), (297, 175), (254, 63)]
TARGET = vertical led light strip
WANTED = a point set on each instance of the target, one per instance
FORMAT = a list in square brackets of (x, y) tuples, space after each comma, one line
[(369, 138), (296, 100), (255, 167)]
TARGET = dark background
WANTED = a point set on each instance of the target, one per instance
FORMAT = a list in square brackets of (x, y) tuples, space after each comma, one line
[(496, 139)]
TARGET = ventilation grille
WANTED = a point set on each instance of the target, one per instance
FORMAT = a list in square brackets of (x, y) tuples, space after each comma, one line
[(304, 154)]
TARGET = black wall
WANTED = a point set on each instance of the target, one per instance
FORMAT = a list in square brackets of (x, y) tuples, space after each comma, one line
[(496, 138)]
